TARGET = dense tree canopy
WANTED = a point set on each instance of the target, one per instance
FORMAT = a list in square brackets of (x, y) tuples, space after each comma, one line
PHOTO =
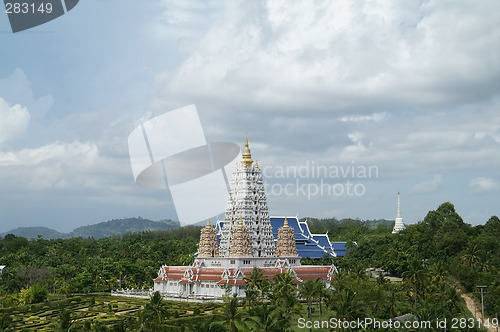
[(79, 265)]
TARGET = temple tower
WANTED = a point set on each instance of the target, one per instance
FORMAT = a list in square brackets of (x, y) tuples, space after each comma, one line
[(208, 246), (240, 241), (247, 200), (286, 241), (398, 223)]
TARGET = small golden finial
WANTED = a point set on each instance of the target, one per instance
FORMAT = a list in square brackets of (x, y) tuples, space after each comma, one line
[(286, 223), (240, 223), (208, 223), (256, 165), (247, 157)]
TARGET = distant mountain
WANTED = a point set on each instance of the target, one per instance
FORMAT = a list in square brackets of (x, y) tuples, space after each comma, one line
[(122, 226), (34, 232), (100, 230)]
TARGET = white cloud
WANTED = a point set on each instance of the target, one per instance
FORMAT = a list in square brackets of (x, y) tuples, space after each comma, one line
[(16, 88), (54, 152), (182, 21), (76, 165), (335, 55), (428, 186), (352, 152), (482, 184), (375, 117), (14, 121)]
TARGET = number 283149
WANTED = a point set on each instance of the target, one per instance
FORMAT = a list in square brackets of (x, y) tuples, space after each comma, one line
[(28, 8)]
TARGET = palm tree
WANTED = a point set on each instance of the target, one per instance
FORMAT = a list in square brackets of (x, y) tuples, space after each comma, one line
[(470, 257), (359, 271), (284, 296), (65, 323), (437, 272), (5, 322), (127, 324), (415, 276), (453, 300), (312, 289), (426, 312), (143, 322), (257, 287), (341, 281), (483, 260), (154, 312), (346, 305), (265, 319), (393, 301), (233, 319), (208, 326), (320, 292), (308, 291)]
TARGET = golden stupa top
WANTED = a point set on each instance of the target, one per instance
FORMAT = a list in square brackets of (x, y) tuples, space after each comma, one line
[(240, 223), (286, 223), (208, 224), (247, 157)]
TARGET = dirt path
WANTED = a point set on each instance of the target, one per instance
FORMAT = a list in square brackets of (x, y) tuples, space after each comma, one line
[(475, 308)]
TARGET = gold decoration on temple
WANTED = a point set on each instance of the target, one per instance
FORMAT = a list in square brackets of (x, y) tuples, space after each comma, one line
[(247, 156)]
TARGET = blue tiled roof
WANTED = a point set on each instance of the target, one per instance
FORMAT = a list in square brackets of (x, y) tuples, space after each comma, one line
[(340, 248), (308, 245)]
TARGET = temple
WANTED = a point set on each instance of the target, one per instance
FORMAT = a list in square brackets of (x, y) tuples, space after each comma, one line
[(245, 239), (398, 222)]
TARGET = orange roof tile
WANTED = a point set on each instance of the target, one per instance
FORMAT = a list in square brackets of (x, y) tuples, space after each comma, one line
[(204, 277), (175, 269)]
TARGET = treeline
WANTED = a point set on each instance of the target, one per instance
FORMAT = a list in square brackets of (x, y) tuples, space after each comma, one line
[(348, 229), (79, 265), (441, 247)]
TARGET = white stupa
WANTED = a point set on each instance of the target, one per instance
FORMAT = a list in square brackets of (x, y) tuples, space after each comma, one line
[(398, 223)]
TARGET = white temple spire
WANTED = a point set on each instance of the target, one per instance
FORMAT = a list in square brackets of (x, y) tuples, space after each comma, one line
[(398, 223), (247, 206)]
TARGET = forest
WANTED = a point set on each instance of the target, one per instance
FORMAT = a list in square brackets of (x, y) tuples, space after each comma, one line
[(438, 259)]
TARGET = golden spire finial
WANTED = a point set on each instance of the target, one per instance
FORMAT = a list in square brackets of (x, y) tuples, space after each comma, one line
[(256, 165), (240, 223), (286, 223), (208, 223), (247, 157)]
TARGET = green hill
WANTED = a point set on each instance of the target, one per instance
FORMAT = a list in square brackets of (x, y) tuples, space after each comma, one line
[(34, 232), (97, 231), (122, 226)]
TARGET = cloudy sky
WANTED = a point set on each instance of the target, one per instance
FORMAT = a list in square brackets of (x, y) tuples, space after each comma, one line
[(407, 89)]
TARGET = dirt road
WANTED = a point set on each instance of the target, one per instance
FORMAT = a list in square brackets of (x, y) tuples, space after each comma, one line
[(476, 309)]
